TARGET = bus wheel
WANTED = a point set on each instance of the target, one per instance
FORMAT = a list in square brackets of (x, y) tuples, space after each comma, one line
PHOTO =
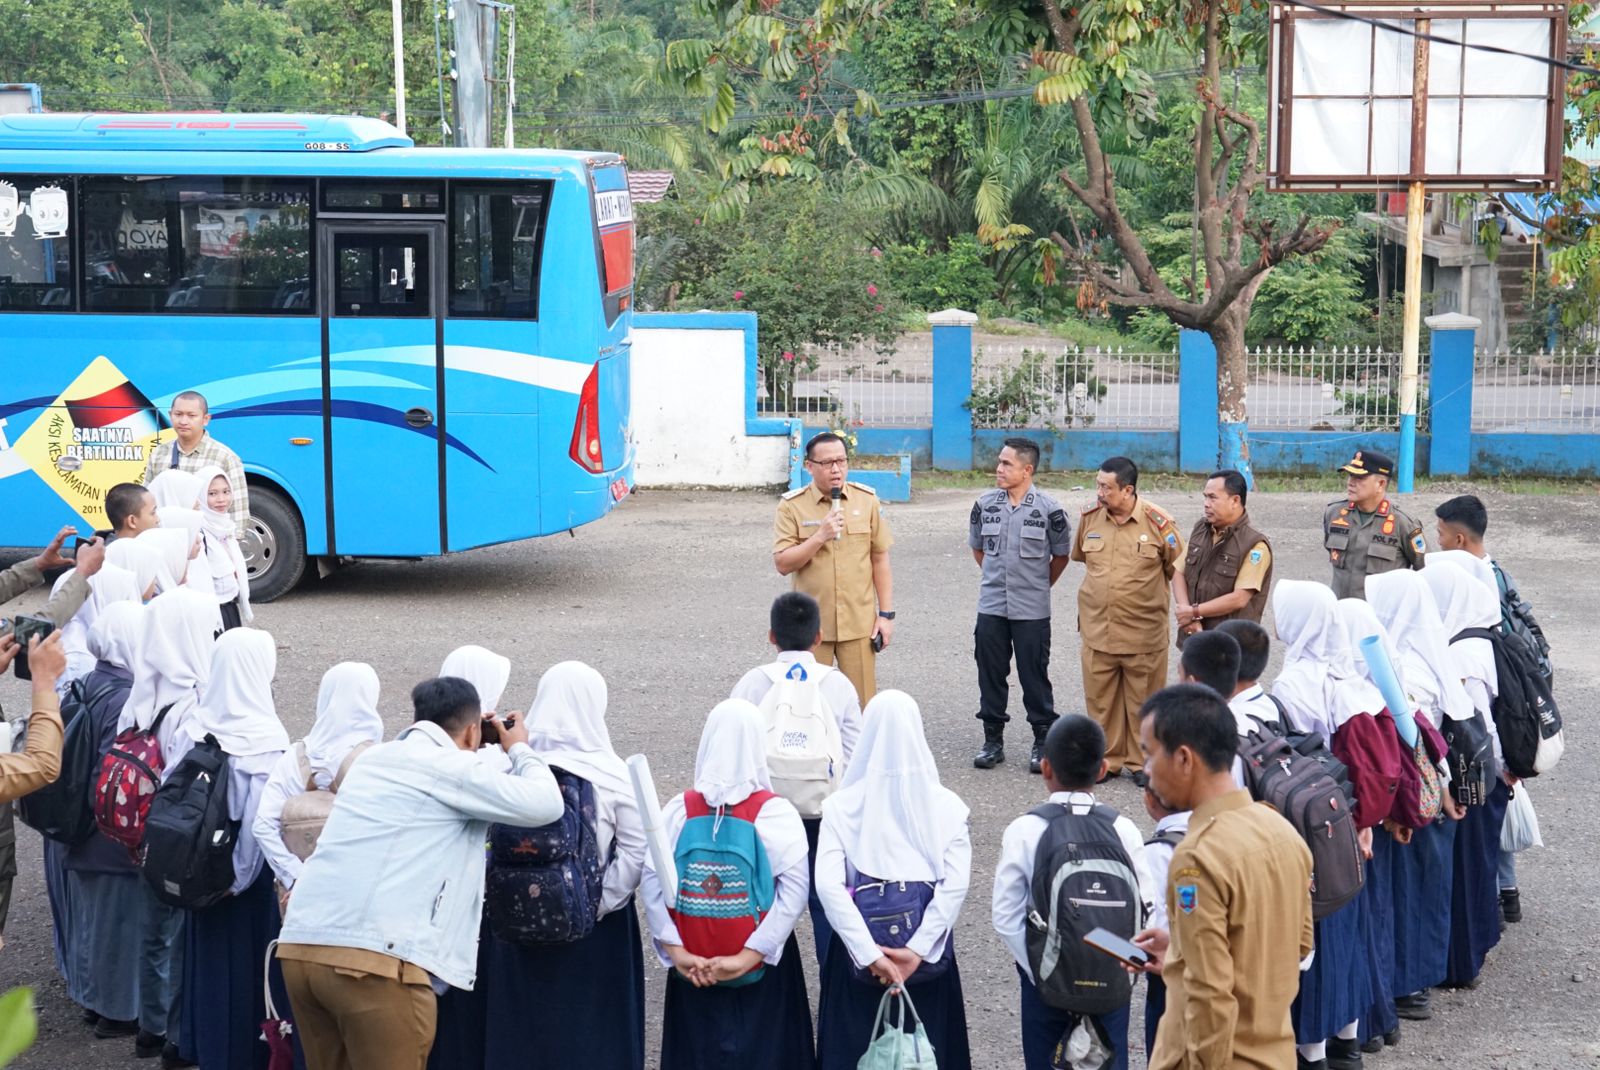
[(274, 545)]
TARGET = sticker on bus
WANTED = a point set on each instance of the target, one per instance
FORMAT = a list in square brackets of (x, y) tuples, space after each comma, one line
[(612, 207)]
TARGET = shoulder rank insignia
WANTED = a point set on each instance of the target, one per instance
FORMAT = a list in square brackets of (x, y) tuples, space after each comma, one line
[(863, 486), (796, 492), (1158, 516), (1091, 509), (1388, 526), (1383, 507)]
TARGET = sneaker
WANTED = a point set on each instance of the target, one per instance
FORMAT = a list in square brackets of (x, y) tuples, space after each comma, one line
[(148, 1045), (1414, 1007), (107, 1028), (1511, 905), (171, 1059), (1344, 1054)]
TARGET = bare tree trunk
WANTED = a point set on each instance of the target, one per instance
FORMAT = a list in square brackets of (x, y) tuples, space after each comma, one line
[(1227, 335)]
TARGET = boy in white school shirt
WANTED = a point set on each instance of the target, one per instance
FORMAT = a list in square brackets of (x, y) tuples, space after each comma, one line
[(1171, 827), (796, 630), (1074, 760)]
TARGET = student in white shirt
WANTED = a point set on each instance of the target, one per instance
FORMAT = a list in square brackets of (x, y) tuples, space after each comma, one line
[(796, 631), (219, 539), (1249, 699), (1170, 829), (1074, 761), (892, 823), (708, 1021), (1212, 660)]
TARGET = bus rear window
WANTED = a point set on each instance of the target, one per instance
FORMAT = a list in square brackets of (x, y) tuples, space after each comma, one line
[(35, 244), (496, 241), (613, 214)]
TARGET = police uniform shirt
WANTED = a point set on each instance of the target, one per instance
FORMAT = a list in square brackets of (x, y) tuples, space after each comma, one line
[(1239, 913), (1123, 603), (839, 577), (1365, 544), (1018, 542)]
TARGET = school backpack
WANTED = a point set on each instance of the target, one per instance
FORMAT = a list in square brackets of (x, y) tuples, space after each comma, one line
[(725, 880), (1421, 794), (1524, 710), (187, 855), (1301, 779), (1473, 771), (543, 884), (129, 775), (893, 911), (804, 752), (305, 815), (1516, 617), (1369, 746), (1083, 880), (61, 810)]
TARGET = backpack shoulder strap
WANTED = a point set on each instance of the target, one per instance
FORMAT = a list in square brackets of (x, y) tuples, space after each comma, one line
[(161, 715), (1475, 633), (694, 805), (1283, 711), (749, 808), (349, 759), (1170, 837), (307, 777)]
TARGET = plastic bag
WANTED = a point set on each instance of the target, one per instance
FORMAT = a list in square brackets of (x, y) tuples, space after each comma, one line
[(1521, 828)]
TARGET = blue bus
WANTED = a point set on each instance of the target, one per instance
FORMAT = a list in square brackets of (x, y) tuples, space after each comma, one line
[(414, 351)]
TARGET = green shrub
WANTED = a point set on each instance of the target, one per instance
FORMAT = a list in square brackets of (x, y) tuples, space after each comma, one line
[(930, 279)]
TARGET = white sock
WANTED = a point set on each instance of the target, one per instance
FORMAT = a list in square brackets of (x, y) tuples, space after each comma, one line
[(1349, 1031), (1312, 1052)]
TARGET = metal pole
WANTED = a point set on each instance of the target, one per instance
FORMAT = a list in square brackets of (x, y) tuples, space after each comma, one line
[(1416, 196), (399, 69)]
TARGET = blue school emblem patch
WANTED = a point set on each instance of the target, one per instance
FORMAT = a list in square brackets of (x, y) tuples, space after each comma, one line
[(1419, 544), (1172, 540), (1188, 896), (1255, 557)]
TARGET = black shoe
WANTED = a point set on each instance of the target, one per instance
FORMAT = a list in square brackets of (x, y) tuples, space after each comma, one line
[(148, 1045), (1141, 779), (1392, 1037), (90, 1017), (1414, 1007), (994, 747), (1111, 774), (1036, 755), (171, 1060), (107, 1028), (1344, 1054), (1511, 905), (1373, 1043), (1500, 914), (1302, 1063)]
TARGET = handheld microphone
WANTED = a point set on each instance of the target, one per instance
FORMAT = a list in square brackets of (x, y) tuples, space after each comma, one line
[(837, 508)]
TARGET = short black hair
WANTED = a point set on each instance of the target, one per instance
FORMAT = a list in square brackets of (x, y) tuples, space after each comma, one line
[(1126, 471), (796, 621), (192, 395), (1233, 482), (826, 436), (1194, 716), (1212, 658), (1026, 449), (122, 501), (1075, 746), (1254, 646), (1467, 511), (448, 701)]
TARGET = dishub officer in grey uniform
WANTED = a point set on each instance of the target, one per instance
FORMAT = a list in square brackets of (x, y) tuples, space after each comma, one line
[(1364, 533), (1020, 537)]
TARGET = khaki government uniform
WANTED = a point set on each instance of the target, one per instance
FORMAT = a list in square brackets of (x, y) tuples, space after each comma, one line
[(355, 1008), (1364, 544), (839, 577), (1125, 620), (1219, 562), (1239, 917)]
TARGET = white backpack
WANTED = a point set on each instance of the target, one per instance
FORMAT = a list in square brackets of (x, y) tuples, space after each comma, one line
[(805, 754)]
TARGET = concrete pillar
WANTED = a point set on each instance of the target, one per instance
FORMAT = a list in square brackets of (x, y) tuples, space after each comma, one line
[(1452, 344), (1198, 432), (952, 388)]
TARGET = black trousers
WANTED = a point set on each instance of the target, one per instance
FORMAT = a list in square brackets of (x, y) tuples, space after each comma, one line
[(995, 640)]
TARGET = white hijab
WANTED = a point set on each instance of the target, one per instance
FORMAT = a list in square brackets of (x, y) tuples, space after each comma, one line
[(174, 544), (567, 727), (895, 820), (118, 634), (140, 558), (485, 670), (198, 575), (347, 715), (732, 764), (175, 659), (106, 587), (1465, 602), (1320, 683), (237, 707), (174, 488), (1405, 604)]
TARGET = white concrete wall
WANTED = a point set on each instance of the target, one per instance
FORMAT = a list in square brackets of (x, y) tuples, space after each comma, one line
[(689, 413)]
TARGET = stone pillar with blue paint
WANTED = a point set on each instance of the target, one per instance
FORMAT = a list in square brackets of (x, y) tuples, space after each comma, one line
[(1452, 342), (1198, 429), (952, 388)]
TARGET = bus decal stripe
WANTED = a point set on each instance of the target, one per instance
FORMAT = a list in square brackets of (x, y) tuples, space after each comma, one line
[(529, 369), (365, 411)]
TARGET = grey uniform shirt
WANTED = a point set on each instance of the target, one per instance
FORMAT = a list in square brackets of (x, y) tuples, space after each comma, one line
[(1018, 542)]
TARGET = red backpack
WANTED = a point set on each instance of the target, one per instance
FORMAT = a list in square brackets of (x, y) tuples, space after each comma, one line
[(130, 773), (1369, 747)]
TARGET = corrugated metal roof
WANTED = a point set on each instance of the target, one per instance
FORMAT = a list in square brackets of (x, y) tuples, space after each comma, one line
[(648, 187)]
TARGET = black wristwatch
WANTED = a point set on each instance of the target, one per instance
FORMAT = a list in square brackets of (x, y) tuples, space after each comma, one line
[(886, 614)]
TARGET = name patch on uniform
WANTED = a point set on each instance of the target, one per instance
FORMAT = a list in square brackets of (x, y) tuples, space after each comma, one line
[(1188, 897), (1092, 535), (1032, 523), (1255, 557), (1419, 544)]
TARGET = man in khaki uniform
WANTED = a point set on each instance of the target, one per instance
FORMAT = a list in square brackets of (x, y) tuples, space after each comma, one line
[(1238, 898), (831, 537), (1129, 549), (1364, 533), (1228, 570)]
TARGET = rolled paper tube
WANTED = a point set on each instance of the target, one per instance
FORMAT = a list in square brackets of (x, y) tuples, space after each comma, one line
[(655, 832), (1383, 674)]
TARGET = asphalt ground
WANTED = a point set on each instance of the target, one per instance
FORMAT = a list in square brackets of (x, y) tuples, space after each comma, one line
[(668, 598)]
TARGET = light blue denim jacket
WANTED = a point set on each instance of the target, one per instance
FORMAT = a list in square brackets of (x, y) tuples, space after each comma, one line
[(398, 869)]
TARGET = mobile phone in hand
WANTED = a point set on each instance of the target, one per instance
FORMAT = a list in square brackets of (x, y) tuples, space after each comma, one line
[(877, 643), (1124, 951), (25, 628)]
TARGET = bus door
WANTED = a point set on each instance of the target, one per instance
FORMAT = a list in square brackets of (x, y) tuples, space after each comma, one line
[(383, 381)]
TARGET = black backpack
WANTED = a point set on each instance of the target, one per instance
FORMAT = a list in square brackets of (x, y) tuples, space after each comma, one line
[(1470, 755), (187, 855), (1525, 713), (1298, 776), (62, 810), (1083, 879), (1516, 616), (543, 885)]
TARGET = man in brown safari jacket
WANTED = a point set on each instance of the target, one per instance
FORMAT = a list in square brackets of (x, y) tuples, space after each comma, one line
[(1228, 570)]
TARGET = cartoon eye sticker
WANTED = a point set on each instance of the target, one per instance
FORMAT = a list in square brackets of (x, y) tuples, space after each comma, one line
[(8, 209), (48, 207)]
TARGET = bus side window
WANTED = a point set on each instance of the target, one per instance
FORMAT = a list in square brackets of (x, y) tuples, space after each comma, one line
[(496, 240), (35, 272)]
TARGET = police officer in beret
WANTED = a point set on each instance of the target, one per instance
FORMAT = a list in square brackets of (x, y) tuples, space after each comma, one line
[(1364, 533), (1021, 539)]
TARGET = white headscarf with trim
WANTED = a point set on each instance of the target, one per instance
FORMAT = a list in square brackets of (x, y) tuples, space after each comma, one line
[(1320, 683), (1405, 604), (347, 716)]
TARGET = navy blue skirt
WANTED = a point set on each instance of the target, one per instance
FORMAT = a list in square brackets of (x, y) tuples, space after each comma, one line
[(1336, 990), (1420, 874), (766, 1024), (463, 1018), (1380, 1016), (578, 1004), (847, 1009), (225, 947), (1475, 894)]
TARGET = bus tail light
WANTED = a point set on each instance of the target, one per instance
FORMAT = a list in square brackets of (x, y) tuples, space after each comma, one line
[(586, 428)]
